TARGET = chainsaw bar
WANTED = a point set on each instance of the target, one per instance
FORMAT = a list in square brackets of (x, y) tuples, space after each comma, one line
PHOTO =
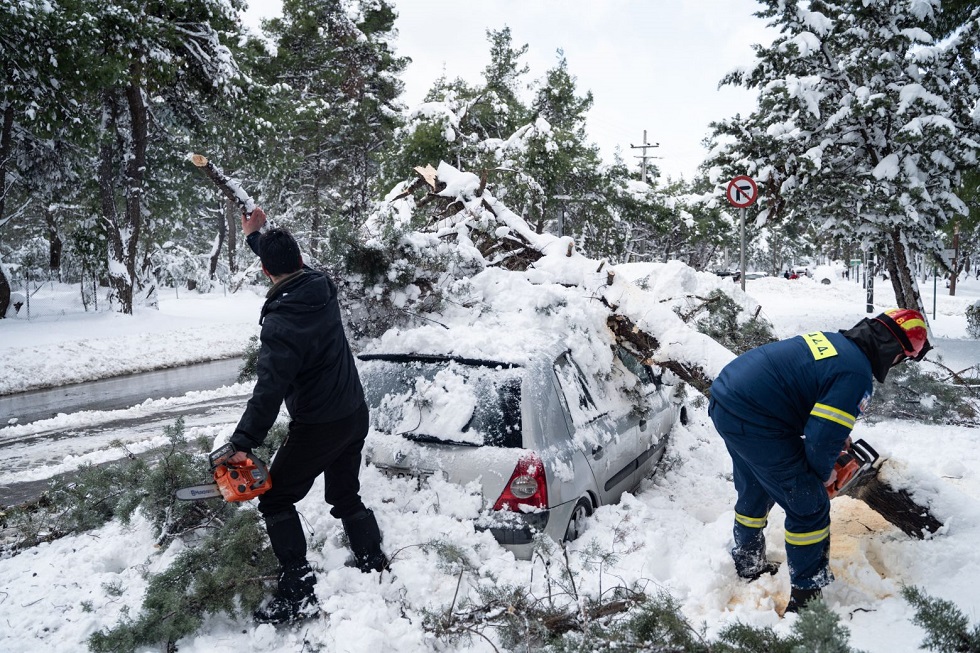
[(195, 492)]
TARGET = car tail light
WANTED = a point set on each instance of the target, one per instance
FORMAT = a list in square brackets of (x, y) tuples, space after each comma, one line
[(527, 486)]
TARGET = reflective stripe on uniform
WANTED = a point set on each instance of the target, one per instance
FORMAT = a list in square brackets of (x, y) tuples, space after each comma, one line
[(751, 522), (833, 414), (803, 539)]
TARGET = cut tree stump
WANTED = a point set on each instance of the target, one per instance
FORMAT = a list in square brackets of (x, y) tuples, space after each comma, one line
[(896, 506)]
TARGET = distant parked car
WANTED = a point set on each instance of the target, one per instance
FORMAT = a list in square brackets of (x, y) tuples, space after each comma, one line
[(545, 443)]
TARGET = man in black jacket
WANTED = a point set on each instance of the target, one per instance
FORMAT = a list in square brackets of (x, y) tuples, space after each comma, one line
[(306, 361)]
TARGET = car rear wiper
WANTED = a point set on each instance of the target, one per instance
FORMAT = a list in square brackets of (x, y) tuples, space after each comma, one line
[(422, 437)]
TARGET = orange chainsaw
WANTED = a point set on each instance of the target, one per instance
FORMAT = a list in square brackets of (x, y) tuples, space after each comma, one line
[(853, 461), (233, 482)]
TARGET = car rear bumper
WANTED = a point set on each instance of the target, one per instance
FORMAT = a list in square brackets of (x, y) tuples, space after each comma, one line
[(514, 529)]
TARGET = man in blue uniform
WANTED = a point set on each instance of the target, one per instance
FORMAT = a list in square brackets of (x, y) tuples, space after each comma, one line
[(785, 411)]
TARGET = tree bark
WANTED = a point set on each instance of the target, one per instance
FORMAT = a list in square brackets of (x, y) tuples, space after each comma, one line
[(903, 281), (4, 294), (55, 244), (5, 152), (107, 177), (896, 505), (5, 140), (135, 168), (218, 246), (124, 237), (231, 220)]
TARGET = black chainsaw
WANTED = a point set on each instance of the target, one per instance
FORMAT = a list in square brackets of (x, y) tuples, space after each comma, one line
[(232, 482)]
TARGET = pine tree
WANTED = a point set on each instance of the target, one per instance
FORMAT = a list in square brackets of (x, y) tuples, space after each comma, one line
[(863, 125), (36, 115), (565, 164), (339, 110), (155, 67)]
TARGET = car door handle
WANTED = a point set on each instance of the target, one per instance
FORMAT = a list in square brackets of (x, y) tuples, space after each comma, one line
[(597, 451), (643, 425)]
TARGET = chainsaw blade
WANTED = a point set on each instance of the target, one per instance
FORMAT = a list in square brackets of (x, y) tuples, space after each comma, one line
[(195, 492)]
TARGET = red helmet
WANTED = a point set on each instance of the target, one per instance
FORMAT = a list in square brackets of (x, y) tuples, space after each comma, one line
[(909, 328)]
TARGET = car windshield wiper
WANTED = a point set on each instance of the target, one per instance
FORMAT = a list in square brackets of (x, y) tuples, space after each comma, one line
[(422, 437)]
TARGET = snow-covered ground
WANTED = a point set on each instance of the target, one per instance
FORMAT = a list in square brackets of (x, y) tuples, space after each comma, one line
[(672, 535)]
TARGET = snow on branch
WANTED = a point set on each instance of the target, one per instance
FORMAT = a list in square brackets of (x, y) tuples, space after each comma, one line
[(472, 245)]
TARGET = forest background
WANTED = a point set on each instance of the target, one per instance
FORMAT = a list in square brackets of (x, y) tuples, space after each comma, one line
[(102, 102)]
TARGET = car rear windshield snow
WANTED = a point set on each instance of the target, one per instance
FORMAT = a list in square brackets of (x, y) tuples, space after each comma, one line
[(449, 401)]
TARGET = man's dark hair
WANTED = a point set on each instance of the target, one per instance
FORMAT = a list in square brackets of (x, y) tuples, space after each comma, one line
[(279, 252)]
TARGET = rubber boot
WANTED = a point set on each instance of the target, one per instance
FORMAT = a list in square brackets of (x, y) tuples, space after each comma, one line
[(287, 538), (365, 542), (798, 598), (750, 560), (755, 574), (294, 600)]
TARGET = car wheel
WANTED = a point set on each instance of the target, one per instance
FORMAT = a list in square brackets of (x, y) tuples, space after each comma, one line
[(576, 523)]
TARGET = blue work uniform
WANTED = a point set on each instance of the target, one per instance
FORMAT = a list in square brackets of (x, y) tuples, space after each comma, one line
[(785, 411)]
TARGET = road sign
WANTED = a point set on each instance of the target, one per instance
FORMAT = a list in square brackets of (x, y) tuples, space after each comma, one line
[(855, 261), (742, 192)]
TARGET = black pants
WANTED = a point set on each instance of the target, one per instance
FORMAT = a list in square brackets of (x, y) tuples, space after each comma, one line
[(332, 449)]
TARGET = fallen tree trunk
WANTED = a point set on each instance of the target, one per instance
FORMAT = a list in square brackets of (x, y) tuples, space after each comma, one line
[(896, 505)]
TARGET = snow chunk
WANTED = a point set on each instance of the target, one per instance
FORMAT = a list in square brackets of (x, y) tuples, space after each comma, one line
[(887, 168), (912, 92), (815, 21)]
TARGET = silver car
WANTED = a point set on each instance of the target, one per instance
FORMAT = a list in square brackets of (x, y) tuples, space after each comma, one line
[(546, 443)]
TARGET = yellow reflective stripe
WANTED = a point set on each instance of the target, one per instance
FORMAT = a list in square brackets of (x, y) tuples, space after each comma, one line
[(751, 522), (819, 346), (833, 414), (803, 539), (911, 324)]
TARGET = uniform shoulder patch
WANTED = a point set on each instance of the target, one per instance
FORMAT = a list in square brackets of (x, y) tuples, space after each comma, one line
[(865, 402), (819, 345)]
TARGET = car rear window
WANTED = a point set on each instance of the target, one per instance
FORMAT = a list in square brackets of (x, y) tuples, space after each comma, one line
[(443, 400)]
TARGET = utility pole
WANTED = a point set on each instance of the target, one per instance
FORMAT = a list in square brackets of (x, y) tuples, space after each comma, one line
[(645, 156)]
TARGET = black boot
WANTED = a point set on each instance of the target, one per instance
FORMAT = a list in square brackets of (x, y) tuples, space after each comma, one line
[(750, 560), (758, 572), (295, 599), (800, 597), (365, 541)]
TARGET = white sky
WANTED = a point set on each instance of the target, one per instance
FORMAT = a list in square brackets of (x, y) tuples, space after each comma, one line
[(651, 66)]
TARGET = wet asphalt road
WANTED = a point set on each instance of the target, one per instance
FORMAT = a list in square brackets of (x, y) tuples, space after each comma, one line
[(33, 452)]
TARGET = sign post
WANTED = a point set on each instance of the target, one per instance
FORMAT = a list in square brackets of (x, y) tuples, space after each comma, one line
[(742, 193), (870, 299)]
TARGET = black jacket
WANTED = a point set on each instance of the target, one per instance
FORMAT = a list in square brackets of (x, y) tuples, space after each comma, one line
[(304, 360)]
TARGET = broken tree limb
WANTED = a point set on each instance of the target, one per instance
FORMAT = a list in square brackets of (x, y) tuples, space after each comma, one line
[(895, 505), (231, 188), (644, 346)]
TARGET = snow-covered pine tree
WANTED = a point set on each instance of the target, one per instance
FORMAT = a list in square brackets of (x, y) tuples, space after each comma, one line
[(864, 121), (36, 116), (567, 166), (160, 58), (339, 108)]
